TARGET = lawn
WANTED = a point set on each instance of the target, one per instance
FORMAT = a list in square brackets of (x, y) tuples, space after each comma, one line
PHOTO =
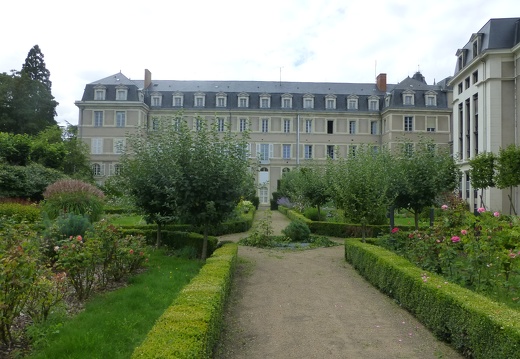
[(114, 323)]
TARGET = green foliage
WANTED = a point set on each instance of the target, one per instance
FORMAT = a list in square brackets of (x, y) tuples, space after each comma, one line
[(474, 325), (297, 231), (262, 233), (28, 182), (73, 196), (191, 327), (313, 214), (15, 149), (482, 170), (20, 212), (70, 224)]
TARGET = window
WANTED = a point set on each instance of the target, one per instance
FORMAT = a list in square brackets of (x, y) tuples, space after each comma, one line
[(96, 146), (121, 94), (264, 151), (352, 104), (459, 87), (118, 169), (408, 99), (120, 119), (199, 122), (330, 127), (408, 149), (466, 82), (243, 100), (220, 124), (96, 169), (221, 101), (265, 125), (307, 152), (265, 101), (286, 151), (330, 151), (99, 93), (430, 124), (308, 126), (263, 194), (352, 150), (330, 102), (119, 145), (177, 100), (156, 100), (352, 127), (431, 147), (374, 128), (286, 101), (285, 170), (286, 125), (373, 105), (98, 118), (200, 100), (387, 101), (431, 100), (155, 124), (308, 103), (475, 77), (408, 124), (242, 125)]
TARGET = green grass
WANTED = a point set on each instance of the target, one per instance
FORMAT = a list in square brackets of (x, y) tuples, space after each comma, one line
[(125, 220), (114, 323)]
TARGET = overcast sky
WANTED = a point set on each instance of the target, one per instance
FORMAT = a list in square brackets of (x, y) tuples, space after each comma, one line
[(303, 40)]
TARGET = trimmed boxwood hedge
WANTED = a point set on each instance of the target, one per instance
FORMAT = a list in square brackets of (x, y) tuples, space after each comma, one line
[(473, 324), (190, 328), (20, 212)]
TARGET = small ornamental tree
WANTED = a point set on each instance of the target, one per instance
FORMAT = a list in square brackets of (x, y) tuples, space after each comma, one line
[(482, 173), (508, 171), (312, 185)]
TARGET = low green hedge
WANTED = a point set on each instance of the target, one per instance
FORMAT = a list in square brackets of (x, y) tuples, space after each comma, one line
[(190, 328), (473, 324), (334, 229), (20, 212), (175, 239)]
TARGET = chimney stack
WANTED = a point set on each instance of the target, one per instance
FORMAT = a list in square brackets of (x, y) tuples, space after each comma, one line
[(147, 78), (381, 82)]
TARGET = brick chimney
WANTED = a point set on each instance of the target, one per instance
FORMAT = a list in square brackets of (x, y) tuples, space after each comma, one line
[(147, 78), (381, 82)]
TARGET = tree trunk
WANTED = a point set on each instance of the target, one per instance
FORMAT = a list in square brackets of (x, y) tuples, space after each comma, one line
[(159, 235), (319, 213), (205, 244), (511, 205), (416, 219)]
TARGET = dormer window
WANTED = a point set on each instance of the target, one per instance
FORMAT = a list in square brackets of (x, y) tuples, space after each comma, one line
[(286, 100), (200, 99), (308, 101), (373, 103), (156, 99), (243, 100), (475, 44), (352, 102), (221, 100), (408, 98), (431, 98), (121, 93), (265, 101), (178, 99), (461, 58), (99, 93), (330, 102), (387, 100)]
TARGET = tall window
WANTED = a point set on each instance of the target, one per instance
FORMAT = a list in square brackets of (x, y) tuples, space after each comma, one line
[(352, 150), (430, 124), (408, 123), (373, 105), (243, 101), (408, 100), (373, 128), (286, 125), (352, 127), (265, 102), (199, 101), (117, 169), (330, 127), (99, 94), (98, 118), (177, 101), (330, 103), (96, 146), (307, 152), (408, 149), (352, 104), (198, 124), (330, 151), (119, 145), (121, 94), (243, 125), (286, 102), (265, 125), (264, 151), (96, 169), (286, 151), (221, 101), (308, 126), (263, 194), (156, 100), (220, 124), (120, 119)]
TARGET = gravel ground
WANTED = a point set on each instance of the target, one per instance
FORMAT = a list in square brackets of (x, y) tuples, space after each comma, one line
[(312, 304)]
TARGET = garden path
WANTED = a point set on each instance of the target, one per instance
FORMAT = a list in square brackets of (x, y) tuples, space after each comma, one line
[(312, 304)]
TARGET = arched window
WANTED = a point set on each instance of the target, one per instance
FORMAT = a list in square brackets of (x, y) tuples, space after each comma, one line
[(285, 170), (96, 169)]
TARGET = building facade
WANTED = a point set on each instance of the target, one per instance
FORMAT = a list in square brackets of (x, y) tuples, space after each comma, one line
[(289, 122), (486, 102)]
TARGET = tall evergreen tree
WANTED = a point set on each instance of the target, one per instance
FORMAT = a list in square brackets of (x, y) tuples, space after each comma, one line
[(34, 67)]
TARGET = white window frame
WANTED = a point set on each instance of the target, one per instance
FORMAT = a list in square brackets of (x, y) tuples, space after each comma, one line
[(287, 125), (286, 101), (307, 152), (121, 94), (243, 124), (264, 152), (156, 100), (408, 98), (286, 151), (265, 125), (373, 103), (265, 101), (119, 145), (331, 154), (374, 127), (431, 124), (308, 101), (199, 100), (100, 93), (308, 125), (221, 100), (431, 99), (330, 102), (120, 119), (263, 194), (221, 124), (178, 100), (96, 145), (243, 100), (352, 102), (98, 118), (97, 169), (352, 150), (352, 127), (408, 123)]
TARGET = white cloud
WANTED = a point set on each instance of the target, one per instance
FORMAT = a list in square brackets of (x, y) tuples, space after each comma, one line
[(311, 40)]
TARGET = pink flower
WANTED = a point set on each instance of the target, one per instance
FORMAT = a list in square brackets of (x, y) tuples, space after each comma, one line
[(444, 207), (463, 232), (131, 251), (511, 254), (455, 239), (481, 210), (79, 238), (496, 214), (395, 230), (410, 235)]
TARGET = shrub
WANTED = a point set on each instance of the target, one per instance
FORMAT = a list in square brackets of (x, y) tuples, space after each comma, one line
[(297, 231), (312, 214), (20, 212), (73, 196)]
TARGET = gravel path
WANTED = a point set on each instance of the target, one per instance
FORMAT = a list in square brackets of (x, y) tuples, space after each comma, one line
[(312, 304)]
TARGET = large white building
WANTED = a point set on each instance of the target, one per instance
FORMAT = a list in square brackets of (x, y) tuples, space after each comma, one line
[(486, 103), (289, 122)]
